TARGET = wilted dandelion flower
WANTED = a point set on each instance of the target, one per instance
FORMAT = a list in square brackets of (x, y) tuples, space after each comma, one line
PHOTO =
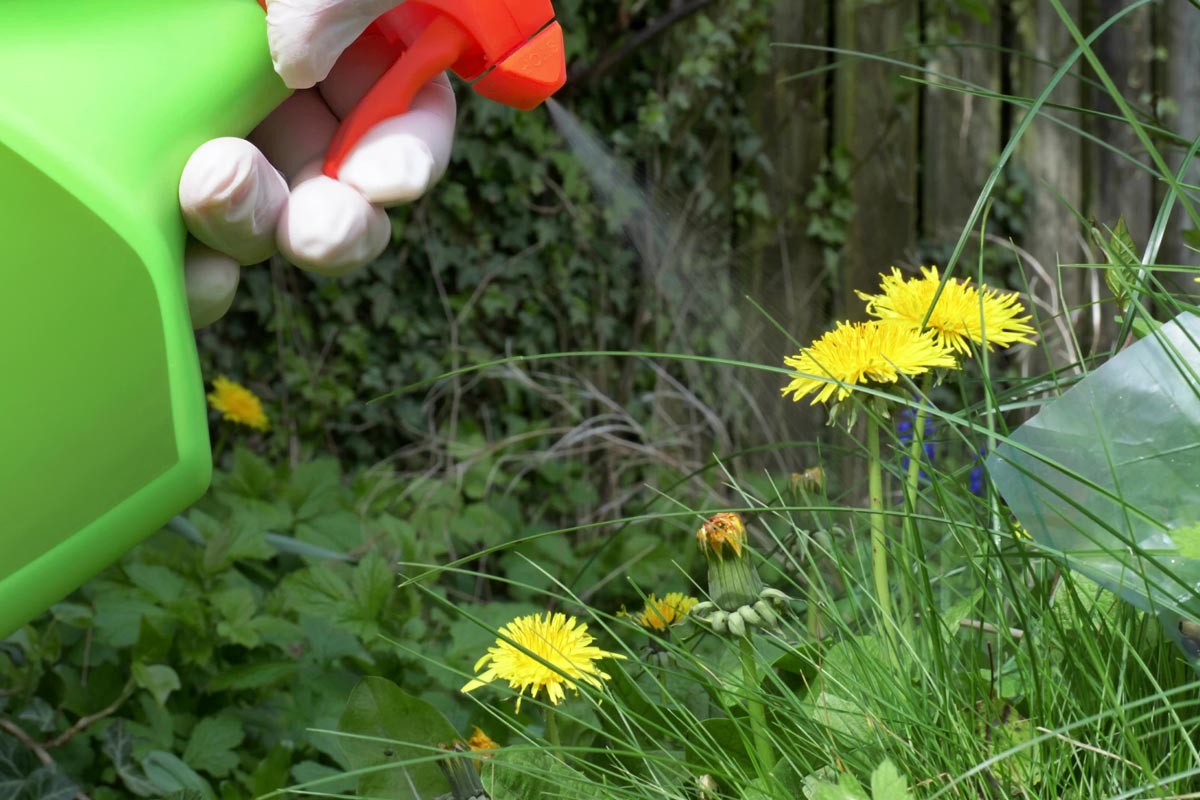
[(662, 614), (863, 352), (238, 404), (481, 741), (810, 480), (562, 653), (963, 313), (724, 530)]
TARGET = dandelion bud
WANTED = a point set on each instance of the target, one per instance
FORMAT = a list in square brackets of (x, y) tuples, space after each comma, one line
[(737, 625), (766, 613), (706, 787), (732, 579), (749, 615)]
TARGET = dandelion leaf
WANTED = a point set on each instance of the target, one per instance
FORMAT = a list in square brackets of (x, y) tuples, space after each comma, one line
[(402, 729)]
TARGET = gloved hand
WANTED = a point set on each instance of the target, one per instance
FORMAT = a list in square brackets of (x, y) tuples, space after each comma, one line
[(243, 199)]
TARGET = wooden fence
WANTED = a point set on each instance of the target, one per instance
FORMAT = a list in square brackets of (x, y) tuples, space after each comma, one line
[(920, 149)]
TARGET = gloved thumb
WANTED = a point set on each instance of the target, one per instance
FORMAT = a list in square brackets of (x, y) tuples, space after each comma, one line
[(307, 36)]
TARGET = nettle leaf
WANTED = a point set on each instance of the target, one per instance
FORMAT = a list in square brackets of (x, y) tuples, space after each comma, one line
[(480, 523), (318, 591), (887, 783), (74, 615), (272, 772), (158, 679), (253, 676), (410, 729), (339, 531), (160, 582), (237, 608), (251, 475), (211, 746), (313, 487), (372, 583), (846, 788), (242, 538)]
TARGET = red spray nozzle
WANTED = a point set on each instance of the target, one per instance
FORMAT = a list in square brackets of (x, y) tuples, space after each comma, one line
[(517, 40)]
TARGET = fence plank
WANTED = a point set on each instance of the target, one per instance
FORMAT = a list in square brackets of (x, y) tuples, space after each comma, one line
[(876, 119), (1115, 188), (1180, 26), (1053, 155), (960, 132), (784, 266)]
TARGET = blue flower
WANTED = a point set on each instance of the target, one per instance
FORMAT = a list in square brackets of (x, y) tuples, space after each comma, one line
[(904, 434), (975, 478)]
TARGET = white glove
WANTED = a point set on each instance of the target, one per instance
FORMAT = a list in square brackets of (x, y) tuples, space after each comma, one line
[(243, 199)]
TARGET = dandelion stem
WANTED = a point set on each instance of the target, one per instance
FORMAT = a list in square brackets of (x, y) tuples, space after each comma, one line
[(916, 453), (552, 728), (879, 562), (758, 716)]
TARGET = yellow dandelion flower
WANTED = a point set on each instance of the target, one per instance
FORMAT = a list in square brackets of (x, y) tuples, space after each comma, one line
[(863, 352), (238, 404), (720, 531), (481, 741), (963, 313), (562, 654), (662, 614)]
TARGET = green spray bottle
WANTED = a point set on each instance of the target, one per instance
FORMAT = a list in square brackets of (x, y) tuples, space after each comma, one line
[(103, 430)]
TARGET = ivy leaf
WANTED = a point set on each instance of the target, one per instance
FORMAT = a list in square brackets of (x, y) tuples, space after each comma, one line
[(117, 744), (158, 679), (211, 746), (887, 783), (169, 774), (411, 728), (23, 777)]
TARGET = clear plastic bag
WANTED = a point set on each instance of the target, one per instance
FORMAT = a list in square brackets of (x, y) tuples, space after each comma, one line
[(1107, 477)]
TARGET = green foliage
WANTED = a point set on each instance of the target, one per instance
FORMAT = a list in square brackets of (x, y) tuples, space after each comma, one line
[(395, 727), (201, 662), (513, 253)]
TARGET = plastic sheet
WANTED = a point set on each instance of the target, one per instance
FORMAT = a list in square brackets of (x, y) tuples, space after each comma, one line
[(1107, 477)]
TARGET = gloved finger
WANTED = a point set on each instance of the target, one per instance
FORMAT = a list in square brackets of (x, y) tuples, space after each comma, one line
[(296, 133), (231, 198), (400, 158), (329, 227), (307, 36), (211, 280)]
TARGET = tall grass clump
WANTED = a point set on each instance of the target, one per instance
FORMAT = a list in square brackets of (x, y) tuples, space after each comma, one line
[(877, 623)]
